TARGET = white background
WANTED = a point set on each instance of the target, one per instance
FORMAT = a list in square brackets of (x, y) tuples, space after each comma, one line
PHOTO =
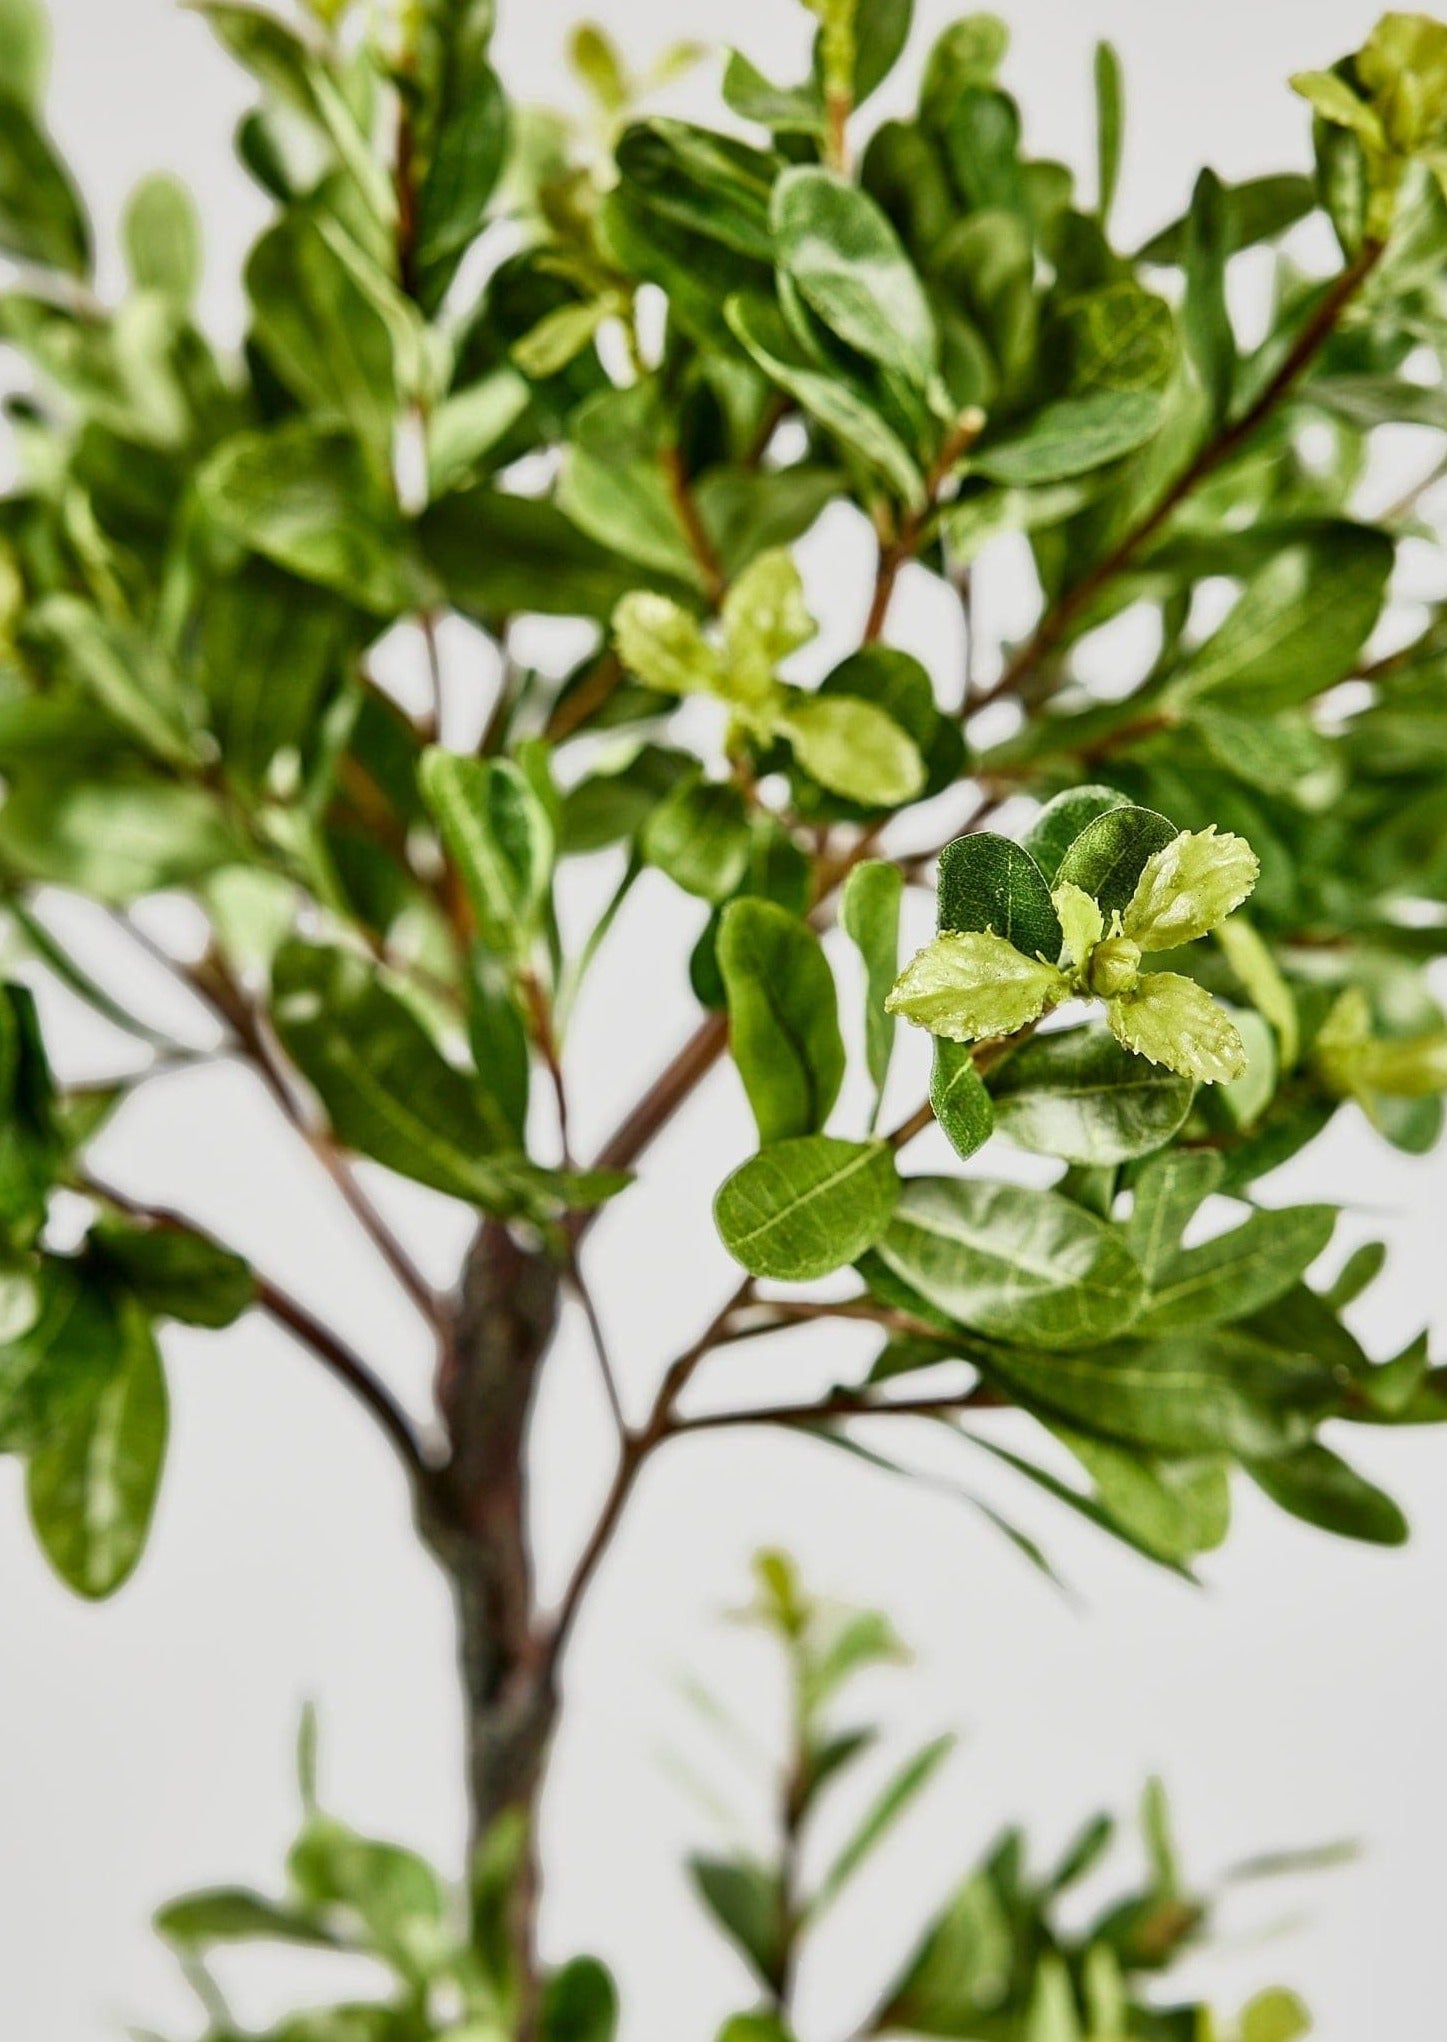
[(144, 1746)]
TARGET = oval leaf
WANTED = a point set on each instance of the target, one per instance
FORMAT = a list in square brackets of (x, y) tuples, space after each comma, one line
[(802, 1208)]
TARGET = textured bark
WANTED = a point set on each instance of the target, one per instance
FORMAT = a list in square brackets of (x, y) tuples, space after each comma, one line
[(504, 1321)]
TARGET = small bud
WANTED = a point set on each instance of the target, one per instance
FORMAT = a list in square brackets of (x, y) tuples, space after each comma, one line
[(1114, 967)]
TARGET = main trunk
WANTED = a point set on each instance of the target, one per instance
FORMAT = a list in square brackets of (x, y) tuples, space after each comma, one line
[(506, 1313)]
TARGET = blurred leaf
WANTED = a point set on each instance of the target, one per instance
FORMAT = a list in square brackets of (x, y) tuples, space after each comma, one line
[(847, 261), (161, 233), (42, 219), (502, 838)]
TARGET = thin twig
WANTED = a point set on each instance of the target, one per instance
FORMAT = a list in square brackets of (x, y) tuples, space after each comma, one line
[(841, 1404), (302, 1324), (685, 504), (1076, 602), (582, 1291)]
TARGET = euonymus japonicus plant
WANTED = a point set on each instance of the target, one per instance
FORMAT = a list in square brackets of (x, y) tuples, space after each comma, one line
[(500, 366)]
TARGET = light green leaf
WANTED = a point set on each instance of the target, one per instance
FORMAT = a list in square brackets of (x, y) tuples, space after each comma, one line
[(1080, 1096), (466, 426), (765, 618), (1070, 438), (958, 1098), (802, 1208), (1237, 1273), (24, 49), (1254, 964), (1275, 2016), (1024, 1265), (1109, 128), (92, 1485), (869, 908), (661, 643), (851, 269), (501, 836), (1189, 888), (892, 1802), (1081, 921), (852, 748), (230, 1914), (783, 1018), (122, 668), (974, 988), (1170, 1020), (161, 233)]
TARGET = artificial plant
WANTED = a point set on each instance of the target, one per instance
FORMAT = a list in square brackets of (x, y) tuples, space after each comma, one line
[(499, 365)]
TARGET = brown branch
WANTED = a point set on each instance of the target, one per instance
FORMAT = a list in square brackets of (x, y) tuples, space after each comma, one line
[(685, 505), (909, 534), (303, 1325), (841, 1404), (1077, 600)]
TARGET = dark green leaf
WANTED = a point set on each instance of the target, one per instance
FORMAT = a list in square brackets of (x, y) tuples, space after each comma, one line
[(174, 1272), (748, 1905), (699, 836), (501, 837), (889, 1805), (869, 915), (321, 332), (497, 555), (1205, 318), (41, 216), (1109, 855), (1061, 821), (580, 2004), (1238, 1272), (783, 1018), (988, 882), (92, 1485), (958, 1097), (1316, 1485), (1166, 1195)]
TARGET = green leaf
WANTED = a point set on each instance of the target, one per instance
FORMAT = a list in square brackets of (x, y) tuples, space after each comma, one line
[(42, 219), (305, 497), (498, 555), (1170, 1020), (24, 49), (161, 234), (699, 836), (1259, 209), (1108, 857), (1062, 820), (1109, 128), (469, 424), (466, 149), (783, 1018), (580, 2004), (974, 988), (1189, 888), (1299, 625), (1171, 1509), (1080, 1096), (1070, 438), (961, 1971), (267, 648), (869, 908), (850, 267), (853, 748), (57, 1360), (387, 1088), (1275, 2016), (837, 405), (121, 668), (321, 332), (396, 1898), (1205, 316), (958, 1098), (1167, 1194), (804, 1207), (754, 2028), (1219, 1391), (174, 1272), (708, 183), (231, 1914), (1237, 1273), (92, 1485), (501, 837), (987, 882), (1020, 1264), (749, 1906), (893, 1800), (1317, 1486), (115, 839)]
